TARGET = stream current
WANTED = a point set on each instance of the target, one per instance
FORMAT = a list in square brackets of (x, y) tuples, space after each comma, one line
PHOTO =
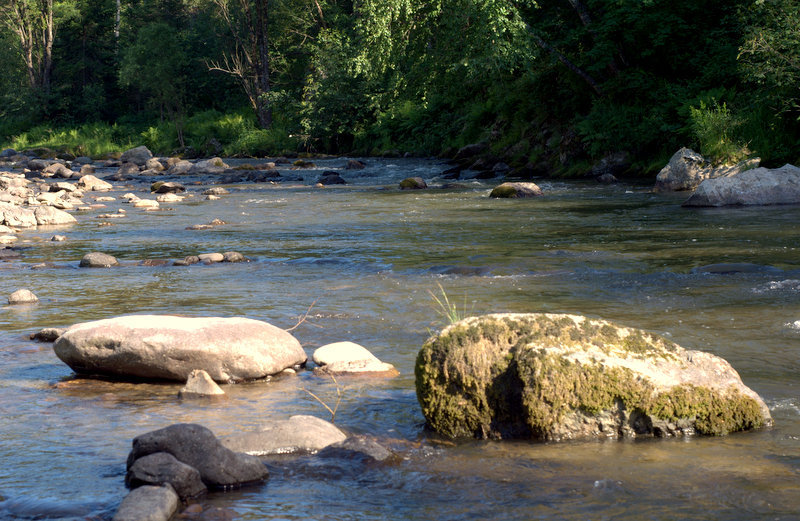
[(368, 256)]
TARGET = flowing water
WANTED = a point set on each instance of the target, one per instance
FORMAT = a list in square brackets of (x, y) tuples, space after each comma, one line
[(367, 257)]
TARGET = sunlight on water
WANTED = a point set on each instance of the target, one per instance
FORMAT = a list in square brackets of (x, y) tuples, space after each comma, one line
[(367, 255)]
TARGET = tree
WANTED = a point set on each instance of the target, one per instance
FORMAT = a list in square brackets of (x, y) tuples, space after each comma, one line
[(249, 61), (32, 22)]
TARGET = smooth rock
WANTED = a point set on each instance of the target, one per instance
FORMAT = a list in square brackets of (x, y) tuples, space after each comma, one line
[(170, 347), (154, 164), (516, 190), (169, 198), (180, 167), (215, 165), (147, 204), (93, 184), (211, 257), (217, 190), (349, 357), (413, 183), (161, 468), (98, 260), (48, 215), (331, 178), (300, 433), (760, 186), (23, 296), (358, 448), (58, 238), (197, 447), (200, 383), (137, 156), (557, 377), (148, 504), (687, 169)]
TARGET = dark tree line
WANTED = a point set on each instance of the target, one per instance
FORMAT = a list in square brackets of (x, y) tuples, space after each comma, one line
[(550, 85)]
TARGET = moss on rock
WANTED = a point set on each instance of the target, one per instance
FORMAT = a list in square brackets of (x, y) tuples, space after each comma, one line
[(553, 377)]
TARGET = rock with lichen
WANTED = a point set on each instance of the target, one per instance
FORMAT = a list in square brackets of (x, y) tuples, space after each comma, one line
[(557, 377)]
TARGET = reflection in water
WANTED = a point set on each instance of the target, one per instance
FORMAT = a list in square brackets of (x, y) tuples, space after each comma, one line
[(367, 257)]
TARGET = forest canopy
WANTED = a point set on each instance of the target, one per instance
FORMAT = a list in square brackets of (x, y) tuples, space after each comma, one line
[(550, 86)]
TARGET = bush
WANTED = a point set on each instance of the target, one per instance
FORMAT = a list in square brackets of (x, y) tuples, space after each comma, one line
[(715, 128)]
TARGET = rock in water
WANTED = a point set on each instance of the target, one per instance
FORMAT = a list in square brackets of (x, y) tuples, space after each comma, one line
[(148, 504), (349, 357), (197, 447), (413, 183), (200, 383), (300, 433), (23, 296), (138, 156), (161, 468), (555, 377), (170, 348), (515, 190), (98, 260), (760, 186)]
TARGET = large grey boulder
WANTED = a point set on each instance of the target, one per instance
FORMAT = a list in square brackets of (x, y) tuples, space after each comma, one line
[(138, 156), (687, 169), (760, 186), (299, 433), (556, 377), (97, 259), (48, 215), (161, 468), (148, 503), (196, 446), (168, 347)]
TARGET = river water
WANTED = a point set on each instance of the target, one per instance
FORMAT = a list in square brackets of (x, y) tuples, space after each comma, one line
[(367, 256)]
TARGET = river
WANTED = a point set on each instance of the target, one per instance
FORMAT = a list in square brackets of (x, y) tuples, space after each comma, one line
[(365, 257)]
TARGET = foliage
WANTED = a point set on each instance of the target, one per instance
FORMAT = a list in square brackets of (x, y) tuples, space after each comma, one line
[(715, 128), (450, 312)]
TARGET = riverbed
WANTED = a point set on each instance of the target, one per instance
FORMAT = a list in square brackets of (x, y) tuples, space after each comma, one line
[(365, 258)]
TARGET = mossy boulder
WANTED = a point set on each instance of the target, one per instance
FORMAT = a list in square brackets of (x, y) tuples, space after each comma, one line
[(556, 377), (515, 190), (413, 183)]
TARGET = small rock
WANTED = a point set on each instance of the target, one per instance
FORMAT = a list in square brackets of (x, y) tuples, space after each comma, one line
[(354, 164), (413, 183), (138, 156), (154, 164), (169, 198), (217, 190), (93, 184), (200, 383), (148, 504), (516, 190), (98, 260), (58, 238), (87, 169), (607, 179), (23, 296), (211, 257), (147, 204), (161, 468), (358, 447), (161, 187), (331, 178), (300, 433), (48, 334), (233, 256), (349, 357), (212, 197)]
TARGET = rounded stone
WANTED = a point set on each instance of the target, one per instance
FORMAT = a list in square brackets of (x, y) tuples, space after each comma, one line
[(23, 296), (98, 260), (166, 347), (516, 190)]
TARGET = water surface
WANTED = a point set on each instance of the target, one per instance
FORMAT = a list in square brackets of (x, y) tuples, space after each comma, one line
[(367, 255)]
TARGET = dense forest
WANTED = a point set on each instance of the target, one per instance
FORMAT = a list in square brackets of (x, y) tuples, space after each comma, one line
[(550, 87)]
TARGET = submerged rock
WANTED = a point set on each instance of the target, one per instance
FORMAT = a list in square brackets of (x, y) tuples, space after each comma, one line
[(170, 347), (555, 377), (516, 190), (301, 433), (760, 186), (196, 446), (358, 448)]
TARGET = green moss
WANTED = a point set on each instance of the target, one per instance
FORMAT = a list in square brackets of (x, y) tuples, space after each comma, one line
[(504, 192), (499, 377), (245, 166), (155, 186)]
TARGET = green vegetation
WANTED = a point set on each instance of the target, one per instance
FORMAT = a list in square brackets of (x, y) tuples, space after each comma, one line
[(449, 312), (551, 86)]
